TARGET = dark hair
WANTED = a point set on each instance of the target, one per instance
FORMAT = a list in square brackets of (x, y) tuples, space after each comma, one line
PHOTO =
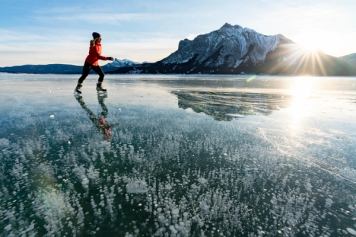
[(96, 35)]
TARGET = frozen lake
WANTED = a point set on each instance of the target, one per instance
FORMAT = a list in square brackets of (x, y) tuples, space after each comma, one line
[(178, 156)]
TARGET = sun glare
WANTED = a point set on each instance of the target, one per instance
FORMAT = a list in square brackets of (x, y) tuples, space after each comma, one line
[(311, 41), (301, 89), (310, 45)]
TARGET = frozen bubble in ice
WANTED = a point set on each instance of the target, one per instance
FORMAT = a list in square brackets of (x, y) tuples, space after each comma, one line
[(204, 207), (308, 186), (175, 211), (202, 180), (173, 230), (137, 186), (8, 227), (328, 202), (351, 231), (168, 187), (4, 142)]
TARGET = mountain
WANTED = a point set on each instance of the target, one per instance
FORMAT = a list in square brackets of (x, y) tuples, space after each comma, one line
[(230, 46), (64, 68), (351, 59), (234, 49), (44, 69), (118, 63)]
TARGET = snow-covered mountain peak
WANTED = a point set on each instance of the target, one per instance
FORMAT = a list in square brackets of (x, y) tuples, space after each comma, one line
[(229, 26), (117, 63), (230, 46)]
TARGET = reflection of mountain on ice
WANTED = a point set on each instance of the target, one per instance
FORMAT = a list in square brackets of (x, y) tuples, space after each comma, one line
[(229, 105)]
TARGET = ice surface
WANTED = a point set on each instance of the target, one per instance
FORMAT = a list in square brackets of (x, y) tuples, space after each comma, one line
[(179, 160)]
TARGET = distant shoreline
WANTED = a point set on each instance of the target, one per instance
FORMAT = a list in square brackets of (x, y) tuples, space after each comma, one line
[(188, 75)]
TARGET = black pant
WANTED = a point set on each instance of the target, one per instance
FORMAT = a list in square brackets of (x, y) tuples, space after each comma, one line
[(86, 70)]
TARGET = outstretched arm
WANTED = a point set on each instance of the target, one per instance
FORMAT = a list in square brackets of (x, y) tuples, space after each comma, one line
[(101, 56)]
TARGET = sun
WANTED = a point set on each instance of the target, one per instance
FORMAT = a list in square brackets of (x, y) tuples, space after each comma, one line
[(310, 47), (311, 44), (315, 40), (306, 54)]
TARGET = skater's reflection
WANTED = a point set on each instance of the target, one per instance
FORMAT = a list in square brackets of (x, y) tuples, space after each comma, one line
[(98, 120)]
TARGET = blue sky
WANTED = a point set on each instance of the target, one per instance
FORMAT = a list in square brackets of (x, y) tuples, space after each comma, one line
[(41, 32)]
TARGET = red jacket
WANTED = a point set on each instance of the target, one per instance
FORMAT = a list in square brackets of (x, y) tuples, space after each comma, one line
[(95, 54)]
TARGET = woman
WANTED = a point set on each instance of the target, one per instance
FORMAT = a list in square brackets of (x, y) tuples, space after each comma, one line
[(91, 62)]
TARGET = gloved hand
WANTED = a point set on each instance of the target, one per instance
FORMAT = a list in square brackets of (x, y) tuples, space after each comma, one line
[(110, 58)]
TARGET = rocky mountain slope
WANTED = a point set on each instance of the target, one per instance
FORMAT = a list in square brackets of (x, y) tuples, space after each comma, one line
[(351, 59)]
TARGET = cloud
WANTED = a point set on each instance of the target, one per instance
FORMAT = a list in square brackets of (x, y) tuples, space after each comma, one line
[(153, 49), (59, 50), (108, 16), (11, 35), (104, 17), (41, 53)]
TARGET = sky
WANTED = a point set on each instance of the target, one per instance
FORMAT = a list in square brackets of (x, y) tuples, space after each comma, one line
[(52, 31)]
